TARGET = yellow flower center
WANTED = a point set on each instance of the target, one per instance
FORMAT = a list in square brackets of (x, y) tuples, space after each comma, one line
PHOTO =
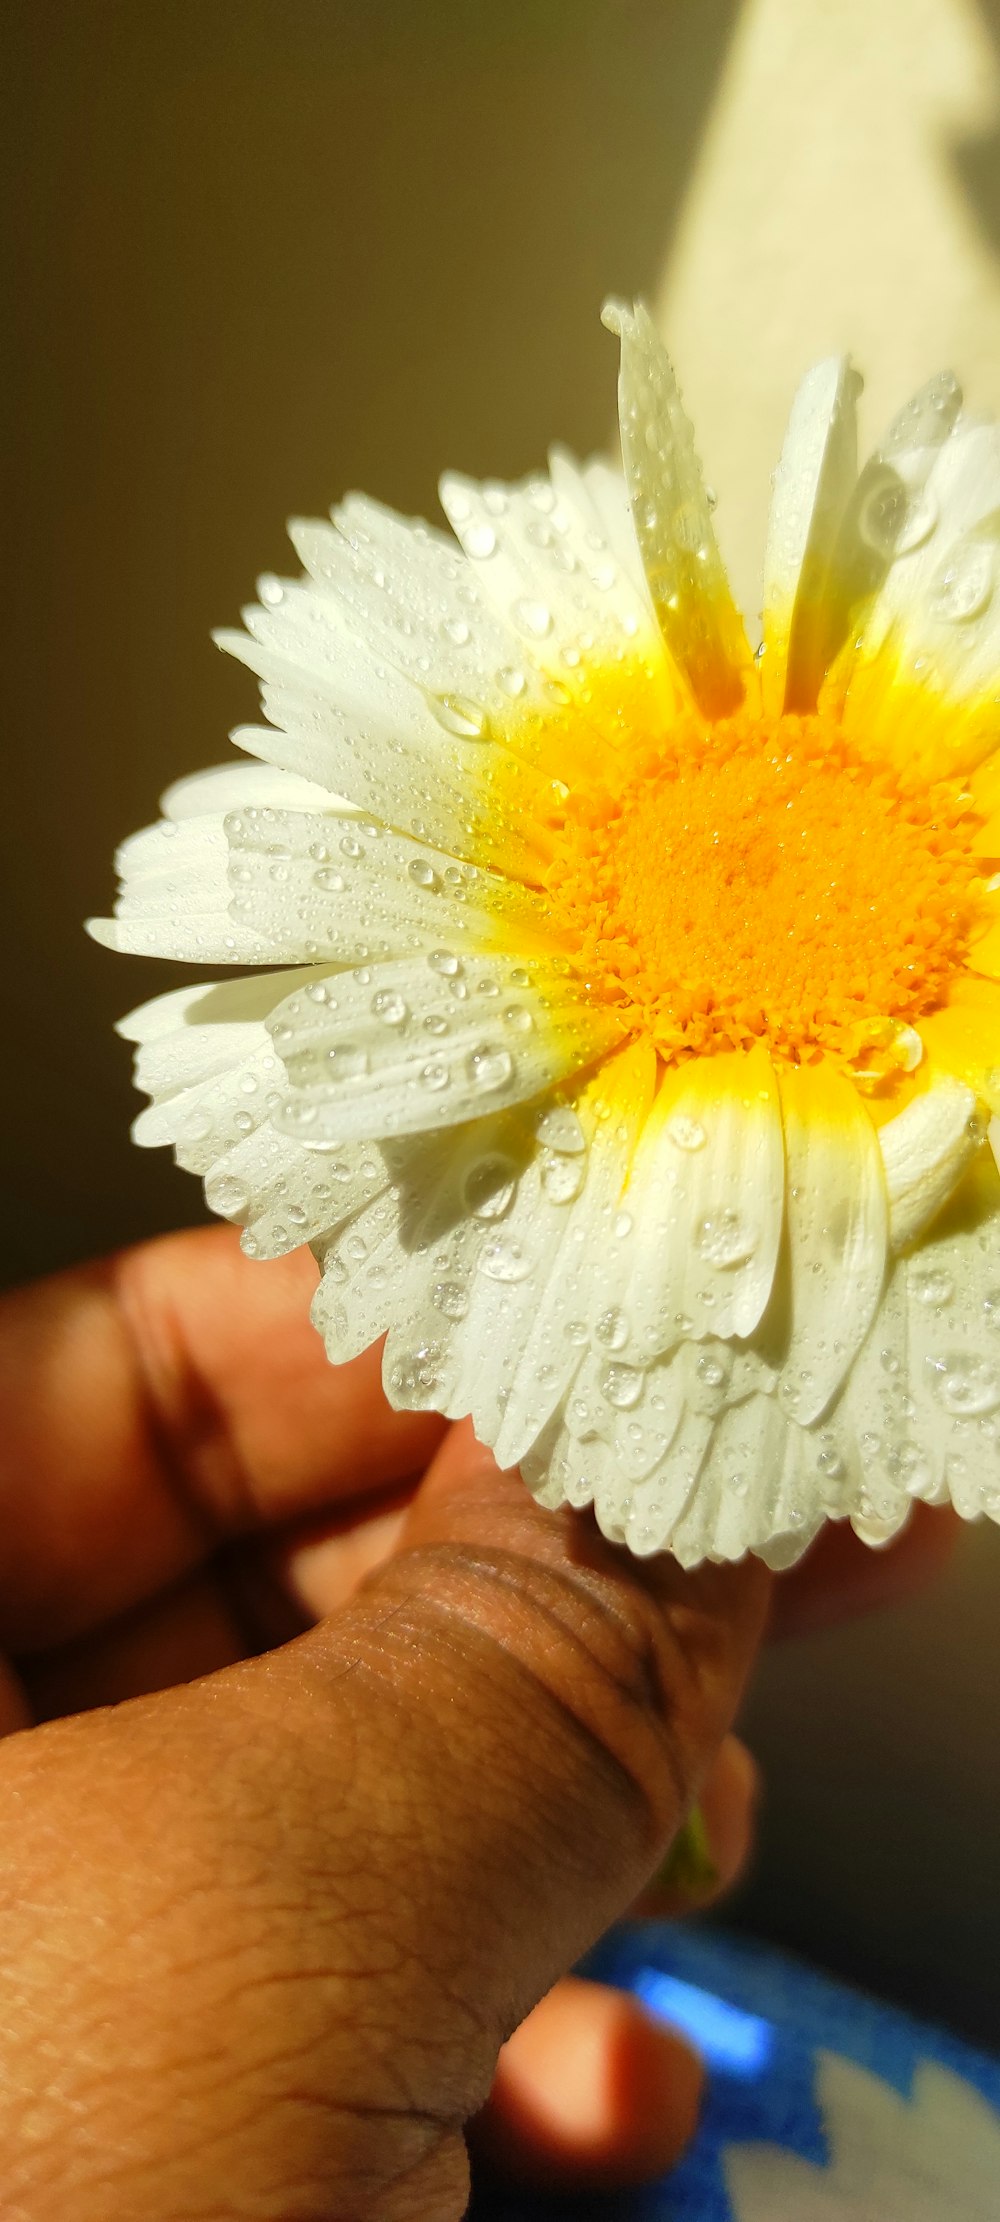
[(759, 881)]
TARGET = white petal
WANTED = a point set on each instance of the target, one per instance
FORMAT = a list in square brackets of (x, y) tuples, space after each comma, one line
[(706, 1205), (481, 1270), (285, 1195), (837, 1221), (347, 891), (813, 484), (932, 640), (541, 556), (850, 529), (175, 899), (173, 868), (609, 494), (877, 1461), (581, 1459), (419, 1044), (596, 498), (585, 1193), (354, 724), (673, 522), (203, 1120), (207, 1060), (367, 1271), (955, 470), (656, 1507), (953, 1374), (925, 1150), (408, 593), (225, 787), (212, 1003), (172, 1063), (754, 1491), (266, 885)]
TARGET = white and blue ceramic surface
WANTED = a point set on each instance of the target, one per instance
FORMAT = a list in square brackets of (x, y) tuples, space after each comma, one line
[(823, 2105)]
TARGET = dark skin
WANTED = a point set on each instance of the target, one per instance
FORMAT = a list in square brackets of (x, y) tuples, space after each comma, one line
[(335, 1753)]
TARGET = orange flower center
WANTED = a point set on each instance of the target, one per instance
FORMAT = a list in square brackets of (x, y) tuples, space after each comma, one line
[(759, 881)]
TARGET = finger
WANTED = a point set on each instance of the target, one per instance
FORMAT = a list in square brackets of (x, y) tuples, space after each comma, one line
[(841, 1577), (321, 1563), (159, 1401), (350, 1868), (727, 1808), (188, 1630), (590, 2093)]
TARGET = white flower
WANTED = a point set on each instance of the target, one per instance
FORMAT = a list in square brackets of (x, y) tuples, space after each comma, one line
[(636, 1068), (891, 2159)]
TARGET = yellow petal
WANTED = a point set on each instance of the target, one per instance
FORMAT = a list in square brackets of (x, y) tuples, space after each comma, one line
[(963, 1038)]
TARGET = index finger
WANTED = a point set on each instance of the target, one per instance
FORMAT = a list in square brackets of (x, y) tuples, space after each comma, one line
[(159, 1402)]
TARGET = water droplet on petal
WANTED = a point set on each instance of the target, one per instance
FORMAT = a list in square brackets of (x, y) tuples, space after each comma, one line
[(621, 1386), (918, 524), (906, 1048), (725, 1240), (422, 873), (489, 1067), (488, 1188), (390, 1007), (504, 1259), (881, 514), (451, 1298), (435, 1077), (459, 715), (226, 1196), (931, 1286), (611, 1329), (965, 1384), (414, 1378), (964, 584), (560, 1129), (347, 1060), (536, 617), (562, 1177), (686, 1134)]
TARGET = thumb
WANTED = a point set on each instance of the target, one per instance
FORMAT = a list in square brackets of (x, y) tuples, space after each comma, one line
[(269, 1966), (564, 1701)]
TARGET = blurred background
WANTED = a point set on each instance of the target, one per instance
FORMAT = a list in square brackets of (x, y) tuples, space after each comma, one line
[(260, 251)]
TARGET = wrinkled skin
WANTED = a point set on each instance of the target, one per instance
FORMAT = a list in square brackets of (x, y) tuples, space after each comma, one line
[(326, 1753)]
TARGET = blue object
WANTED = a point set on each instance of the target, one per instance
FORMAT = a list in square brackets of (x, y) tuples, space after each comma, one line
[(822, 2103)]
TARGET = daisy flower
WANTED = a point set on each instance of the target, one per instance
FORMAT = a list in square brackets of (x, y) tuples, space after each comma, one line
[(628, 1026)]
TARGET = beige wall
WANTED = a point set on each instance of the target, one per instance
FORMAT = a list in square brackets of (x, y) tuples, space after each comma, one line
[(261, 250)]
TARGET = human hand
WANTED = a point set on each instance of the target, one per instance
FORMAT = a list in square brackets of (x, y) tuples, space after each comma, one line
[(265, 1932)]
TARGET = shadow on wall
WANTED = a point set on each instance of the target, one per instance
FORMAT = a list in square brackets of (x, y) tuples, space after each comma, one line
[(976, 160), (258, 255)]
